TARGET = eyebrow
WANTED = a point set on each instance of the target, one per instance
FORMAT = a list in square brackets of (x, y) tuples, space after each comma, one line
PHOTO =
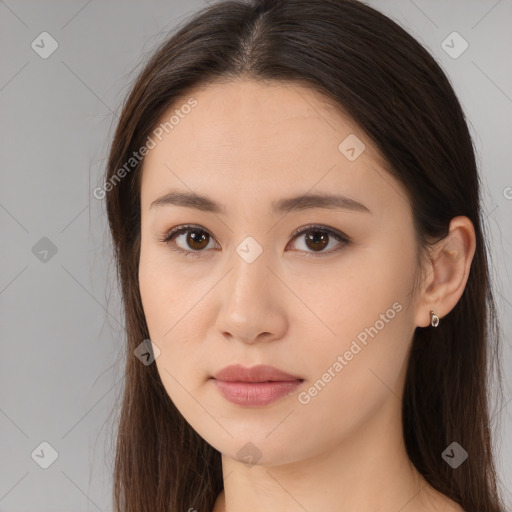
[(286, 205)]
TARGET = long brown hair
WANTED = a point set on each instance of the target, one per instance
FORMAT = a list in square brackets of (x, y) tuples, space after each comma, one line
[(394, 89)]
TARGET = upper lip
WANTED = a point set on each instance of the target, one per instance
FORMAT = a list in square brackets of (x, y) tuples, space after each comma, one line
[(259, 373)]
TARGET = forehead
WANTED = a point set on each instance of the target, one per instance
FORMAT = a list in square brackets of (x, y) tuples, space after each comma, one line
[(247, 113), (269, 138)]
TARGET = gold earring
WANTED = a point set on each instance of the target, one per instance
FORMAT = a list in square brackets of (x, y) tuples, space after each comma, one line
[(434, 319)]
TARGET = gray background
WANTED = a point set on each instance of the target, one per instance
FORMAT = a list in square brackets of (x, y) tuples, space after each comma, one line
[(61, 327)]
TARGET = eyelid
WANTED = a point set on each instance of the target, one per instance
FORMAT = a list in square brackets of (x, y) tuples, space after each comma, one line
[(345, 240), (167, 237), (336, 234), (321, 227)]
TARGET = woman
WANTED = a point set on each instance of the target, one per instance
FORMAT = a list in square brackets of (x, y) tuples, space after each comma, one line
[(294, 204)]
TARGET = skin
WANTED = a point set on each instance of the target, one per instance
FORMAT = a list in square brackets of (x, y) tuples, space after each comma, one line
[(245, 145)]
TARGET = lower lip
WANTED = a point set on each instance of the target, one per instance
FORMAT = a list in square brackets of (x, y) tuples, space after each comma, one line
[(256, 393)]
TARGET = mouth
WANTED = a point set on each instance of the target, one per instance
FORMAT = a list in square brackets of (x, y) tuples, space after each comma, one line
[(256, 386)]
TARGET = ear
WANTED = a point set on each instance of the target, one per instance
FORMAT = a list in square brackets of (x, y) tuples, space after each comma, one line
[(447, 272)]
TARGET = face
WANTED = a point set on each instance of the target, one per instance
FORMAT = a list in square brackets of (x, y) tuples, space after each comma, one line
[(331, 305)]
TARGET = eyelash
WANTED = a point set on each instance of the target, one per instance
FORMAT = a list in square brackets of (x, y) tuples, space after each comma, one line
[(168, 236)]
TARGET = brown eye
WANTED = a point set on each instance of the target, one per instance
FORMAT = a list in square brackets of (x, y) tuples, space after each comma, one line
[(190, 240), (317, 238), (193, 241), (197, 239)]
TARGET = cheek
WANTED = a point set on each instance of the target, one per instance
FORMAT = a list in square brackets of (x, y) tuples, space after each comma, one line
[(353, 375), (363, 328), (345, 297), (170, 320), (173, 310), (162, 289), (155, 300)]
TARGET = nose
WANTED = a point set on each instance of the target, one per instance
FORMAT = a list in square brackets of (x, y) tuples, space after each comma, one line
[(252, 307)]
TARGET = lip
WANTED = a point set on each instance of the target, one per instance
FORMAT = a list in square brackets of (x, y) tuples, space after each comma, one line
[(258, 373), (255, 386)]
